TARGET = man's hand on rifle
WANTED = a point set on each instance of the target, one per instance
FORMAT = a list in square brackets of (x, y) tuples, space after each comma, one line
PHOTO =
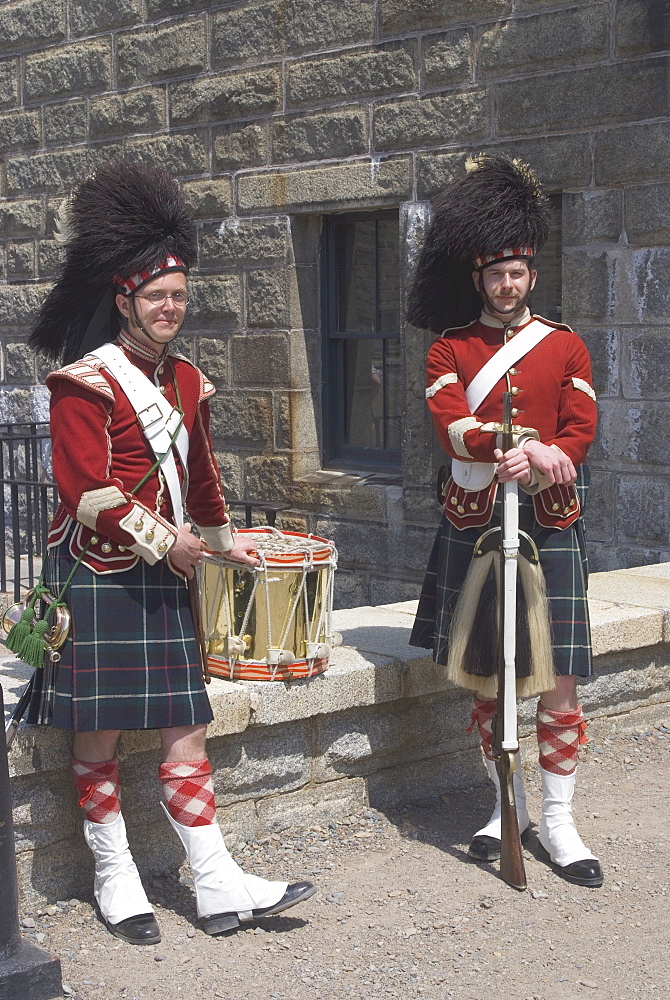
[(553, 463), (512, 465)]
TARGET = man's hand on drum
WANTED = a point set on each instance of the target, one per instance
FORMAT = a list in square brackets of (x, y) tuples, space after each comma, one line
[(513, 465), (186, 553), (243, 550)]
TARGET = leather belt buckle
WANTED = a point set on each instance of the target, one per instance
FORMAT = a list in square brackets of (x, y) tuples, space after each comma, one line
[(149, 415)]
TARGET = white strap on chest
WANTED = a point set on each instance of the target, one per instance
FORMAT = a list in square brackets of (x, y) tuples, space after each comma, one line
[(504, 359), (157, 418)]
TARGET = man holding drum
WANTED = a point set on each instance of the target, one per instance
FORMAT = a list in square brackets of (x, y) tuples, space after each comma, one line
[(471, 288), (131, 448)]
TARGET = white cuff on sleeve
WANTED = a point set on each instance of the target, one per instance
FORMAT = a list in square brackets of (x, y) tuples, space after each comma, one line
[(94, 501), (153, 536), (218, 539)]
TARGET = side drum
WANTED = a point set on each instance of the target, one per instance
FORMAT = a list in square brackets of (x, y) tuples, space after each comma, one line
[(272, 622)]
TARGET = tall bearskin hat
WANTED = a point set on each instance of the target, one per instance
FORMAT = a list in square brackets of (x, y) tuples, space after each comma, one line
[(122, 227), (496, 212)]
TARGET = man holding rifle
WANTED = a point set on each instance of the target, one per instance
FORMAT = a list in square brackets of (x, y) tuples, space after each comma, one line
[(471, 288), (131, 450)]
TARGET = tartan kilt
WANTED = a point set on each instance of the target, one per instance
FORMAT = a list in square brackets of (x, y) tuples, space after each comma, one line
[(131, 660), (564, 563)]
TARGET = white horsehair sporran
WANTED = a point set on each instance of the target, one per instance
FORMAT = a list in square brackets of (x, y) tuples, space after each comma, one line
[(273, 621)]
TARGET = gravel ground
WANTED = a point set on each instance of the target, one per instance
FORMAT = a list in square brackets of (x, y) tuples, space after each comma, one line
[(402, 912)]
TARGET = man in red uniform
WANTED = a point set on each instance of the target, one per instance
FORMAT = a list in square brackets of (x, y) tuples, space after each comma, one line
[(472, 286), (131, 450)]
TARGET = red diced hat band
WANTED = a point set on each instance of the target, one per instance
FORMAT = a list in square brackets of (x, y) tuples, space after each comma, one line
[(130, 284), (510, 253)]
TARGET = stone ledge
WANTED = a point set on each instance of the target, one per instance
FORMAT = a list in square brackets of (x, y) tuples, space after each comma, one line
[(381, 722)]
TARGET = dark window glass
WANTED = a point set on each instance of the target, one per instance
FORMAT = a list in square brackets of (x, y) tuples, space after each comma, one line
[(546, 298), (363, 369)]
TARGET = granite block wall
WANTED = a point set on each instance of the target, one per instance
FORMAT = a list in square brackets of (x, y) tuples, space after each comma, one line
[(275, 113)]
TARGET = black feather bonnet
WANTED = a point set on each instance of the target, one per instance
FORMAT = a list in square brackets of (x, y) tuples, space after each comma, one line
[(123, 226), (497, 211)]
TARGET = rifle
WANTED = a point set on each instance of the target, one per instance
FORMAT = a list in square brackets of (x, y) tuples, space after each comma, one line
[(506, 741)]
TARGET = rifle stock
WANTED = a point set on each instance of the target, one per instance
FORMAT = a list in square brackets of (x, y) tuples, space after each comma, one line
[(505, 744)]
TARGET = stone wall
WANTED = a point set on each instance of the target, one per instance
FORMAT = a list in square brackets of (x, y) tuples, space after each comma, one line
[(275, 112)]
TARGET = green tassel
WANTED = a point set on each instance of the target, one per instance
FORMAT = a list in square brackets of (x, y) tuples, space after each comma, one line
[(33, 649), (19, 632)]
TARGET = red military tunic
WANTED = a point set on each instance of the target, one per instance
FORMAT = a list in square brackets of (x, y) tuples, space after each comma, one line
[(551, 386), (100, 455)]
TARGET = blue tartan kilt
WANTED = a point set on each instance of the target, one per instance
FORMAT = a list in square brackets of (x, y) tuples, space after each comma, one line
[(564, 563), (131, 660)]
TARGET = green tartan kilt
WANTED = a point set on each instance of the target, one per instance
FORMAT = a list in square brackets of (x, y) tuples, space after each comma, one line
[(565, 566), (131, 660)]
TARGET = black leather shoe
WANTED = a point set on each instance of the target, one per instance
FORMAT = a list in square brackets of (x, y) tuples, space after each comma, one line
[(219, 923), (485, 848), (140, 929), (587, 872)]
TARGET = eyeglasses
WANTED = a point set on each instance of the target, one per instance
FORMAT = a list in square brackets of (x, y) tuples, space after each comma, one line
[(160, 298)]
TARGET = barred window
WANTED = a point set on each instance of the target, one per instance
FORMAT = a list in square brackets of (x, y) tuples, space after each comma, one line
[(361, 322)]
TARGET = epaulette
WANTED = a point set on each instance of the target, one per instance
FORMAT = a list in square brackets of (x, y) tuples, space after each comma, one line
[(84, 373), (206, 388), (457, 329), (552, 324)]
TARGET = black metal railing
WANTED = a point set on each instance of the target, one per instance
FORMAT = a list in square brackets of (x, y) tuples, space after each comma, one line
[(29, 499)]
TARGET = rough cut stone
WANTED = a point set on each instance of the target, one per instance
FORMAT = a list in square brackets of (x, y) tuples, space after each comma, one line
[(643, 498), (241, 241), (19, 363), (22, 218), (267, 476), (649, 146), (592, 217), (577, 98), (550, 40), (648, 214), (65, 123), (646, 372), (322, 188), (261, 361), (49, 258), (209, 199), (431, 121), (124, 114), (311, 27), (239, 146), (219, 97), (358, 73), (241, 418), (19, 304), (586, 286), (650, 279), (184, 153), (313, 137), (76, 68), (605, 352), (266, 299), (247, 34), (31, 22), (20, 264), (159, 52), (8, 82), (19, 129), (397, 16), (54, 170), (448, 58), (87, 16), (212, 357), (215, 300), (642, 26)]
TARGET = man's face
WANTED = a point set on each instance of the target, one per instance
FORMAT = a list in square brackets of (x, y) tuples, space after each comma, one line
[(505, 287), (162, 321)]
